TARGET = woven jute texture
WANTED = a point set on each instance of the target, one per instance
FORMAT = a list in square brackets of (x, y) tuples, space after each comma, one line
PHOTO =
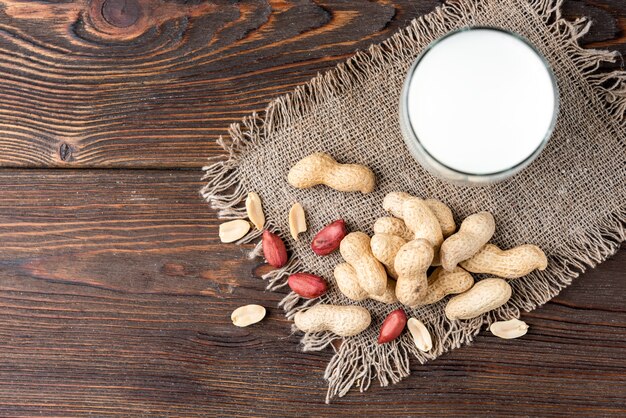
[(570, 201)]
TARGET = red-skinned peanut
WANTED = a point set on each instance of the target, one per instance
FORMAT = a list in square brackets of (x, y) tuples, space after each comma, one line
[(274, 249), (392, 326), (307, 285), (328, 239)]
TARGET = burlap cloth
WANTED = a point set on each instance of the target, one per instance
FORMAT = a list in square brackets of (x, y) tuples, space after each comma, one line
[(570, 201)]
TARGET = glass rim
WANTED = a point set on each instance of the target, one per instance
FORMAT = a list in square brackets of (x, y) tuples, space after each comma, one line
[(496, 174)]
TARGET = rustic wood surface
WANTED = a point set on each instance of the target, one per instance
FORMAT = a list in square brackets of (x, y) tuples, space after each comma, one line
[(115, 293)]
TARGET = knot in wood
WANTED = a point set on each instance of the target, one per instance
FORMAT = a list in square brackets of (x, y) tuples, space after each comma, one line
[(121, 13), (65, 152)]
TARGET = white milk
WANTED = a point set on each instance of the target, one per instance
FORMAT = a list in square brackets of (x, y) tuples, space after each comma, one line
[(481, 101)]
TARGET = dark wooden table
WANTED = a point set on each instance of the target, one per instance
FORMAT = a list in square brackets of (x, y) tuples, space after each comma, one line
[(115, 293)]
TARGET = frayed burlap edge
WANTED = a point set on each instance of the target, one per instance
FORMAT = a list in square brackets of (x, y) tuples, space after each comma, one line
[(226, 194)]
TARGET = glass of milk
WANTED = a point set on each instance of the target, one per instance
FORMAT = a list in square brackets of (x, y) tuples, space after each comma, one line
[(478, 105)]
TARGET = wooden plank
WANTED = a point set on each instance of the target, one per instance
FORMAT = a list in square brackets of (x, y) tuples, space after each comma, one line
[(153, 84), (115, 297)]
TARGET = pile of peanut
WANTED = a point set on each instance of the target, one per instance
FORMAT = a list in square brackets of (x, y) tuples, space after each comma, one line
[(392, 266)]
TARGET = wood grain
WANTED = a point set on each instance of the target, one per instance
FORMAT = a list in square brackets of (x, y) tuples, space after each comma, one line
[(152, 83), (115, 294), (115, 298)]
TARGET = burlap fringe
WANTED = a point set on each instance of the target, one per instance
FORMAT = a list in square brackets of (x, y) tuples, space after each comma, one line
[(353, 364)]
